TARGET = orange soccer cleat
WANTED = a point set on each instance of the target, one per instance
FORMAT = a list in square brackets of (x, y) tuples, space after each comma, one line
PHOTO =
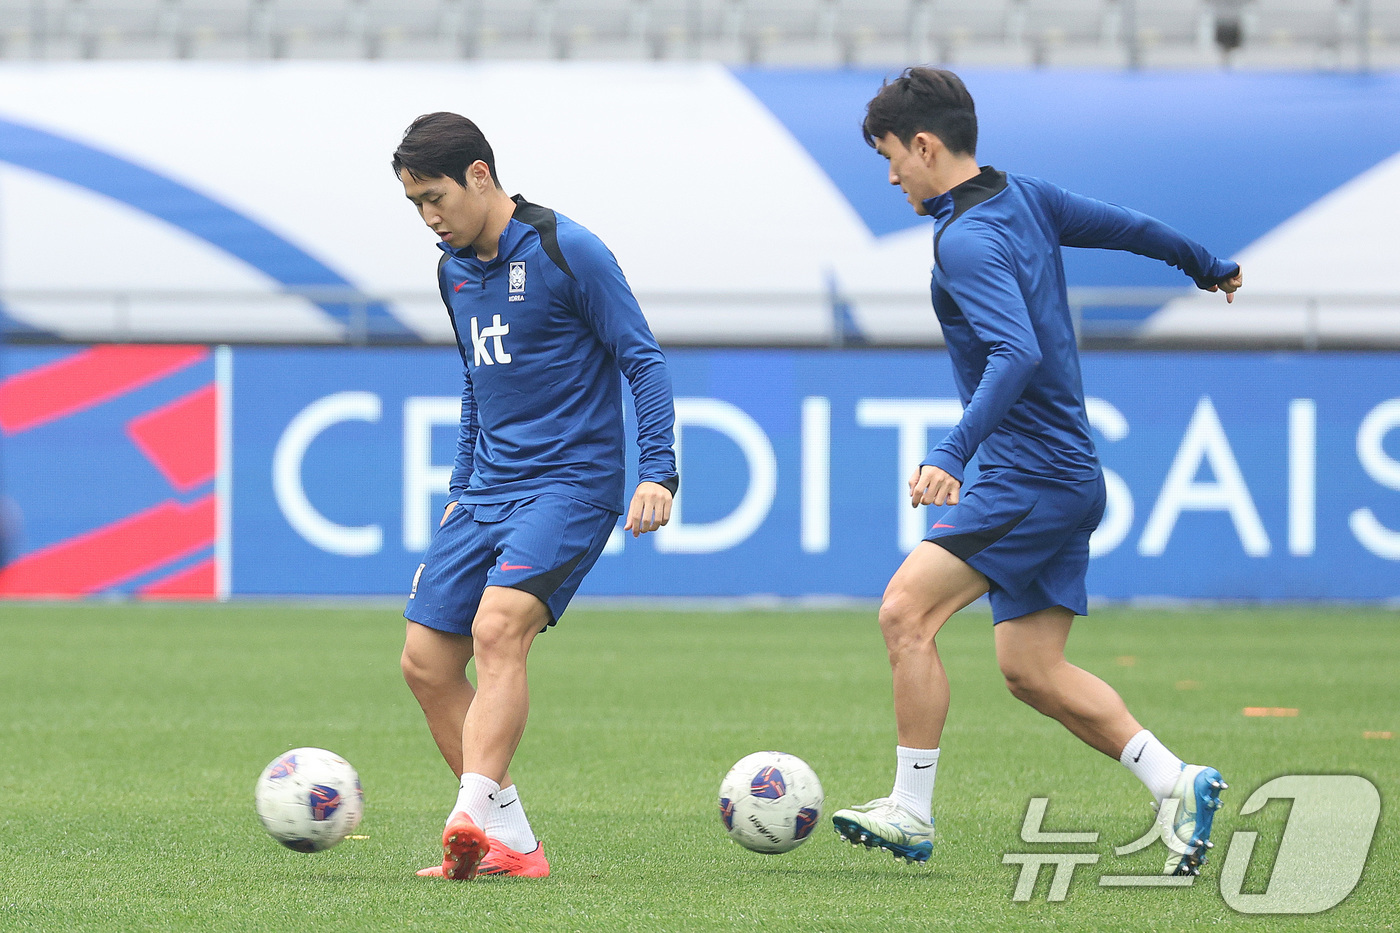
[(504, 861), (464, 845)]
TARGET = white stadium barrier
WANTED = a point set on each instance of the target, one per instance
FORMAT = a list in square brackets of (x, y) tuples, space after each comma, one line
[(254, 202)]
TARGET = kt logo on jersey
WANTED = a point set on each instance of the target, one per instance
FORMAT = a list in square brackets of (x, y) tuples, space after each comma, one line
[(497, 330)]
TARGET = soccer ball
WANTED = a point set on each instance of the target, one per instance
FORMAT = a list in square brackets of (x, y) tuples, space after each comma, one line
[(309, 799), (770, 802)]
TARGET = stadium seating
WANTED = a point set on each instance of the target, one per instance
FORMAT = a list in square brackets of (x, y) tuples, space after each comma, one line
[(1079, 33)]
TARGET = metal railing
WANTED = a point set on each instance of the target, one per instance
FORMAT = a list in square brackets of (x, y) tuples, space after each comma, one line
[(1104, 317)]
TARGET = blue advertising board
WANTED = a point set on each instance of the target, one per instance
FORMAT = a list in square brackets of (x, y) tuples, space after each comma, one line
[(181, 472), (1230, 475)]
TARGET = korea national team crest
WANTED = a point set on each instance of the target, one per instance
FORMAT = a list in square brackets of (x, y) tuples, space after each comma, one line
[(517, 277)]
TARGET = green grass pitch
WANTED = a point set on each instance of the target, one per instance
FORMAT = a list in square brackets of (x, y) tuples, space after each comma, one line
[(131, 737)]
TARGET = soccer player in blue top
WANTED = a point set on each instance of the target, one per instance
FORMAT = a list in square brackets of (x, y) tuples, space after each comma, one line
[(1019, 531), (546, 324)]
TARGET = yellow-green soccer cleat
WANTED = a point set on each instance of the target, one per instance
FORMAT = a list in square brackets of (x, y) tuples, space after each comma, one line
[(1185, 818), (884, 824)]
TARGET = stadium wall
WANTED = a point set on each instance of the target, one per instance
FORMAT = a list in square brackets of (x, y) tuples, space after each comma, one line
[(191, 472), (253, 202)]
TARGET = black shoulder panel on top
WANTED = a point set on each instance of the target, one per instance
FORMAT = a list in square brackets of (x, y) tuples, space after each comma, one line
[(547, 226), (982, 187), (442, 286), (442, 290), (985, 185)]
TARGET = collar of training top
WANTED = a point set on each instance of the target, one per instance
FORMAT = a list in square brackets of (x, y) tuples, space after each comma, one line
[(980, 187), (530, 215)]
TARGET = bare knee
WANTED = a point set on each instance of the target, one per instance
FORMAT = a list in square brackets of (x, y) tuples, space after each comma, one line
[(906, 625), (425, 673), (1030, 685), (501, 637), (1022, 686)]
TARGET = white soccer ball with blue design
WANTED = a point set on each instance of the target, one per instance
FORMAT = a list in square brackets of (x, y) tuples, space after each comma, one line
[(770, 802), (309, 799)]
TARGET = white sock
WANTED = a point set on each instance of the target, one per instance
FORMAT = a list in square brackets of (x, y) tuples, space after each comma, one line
[(506, 822), (474, 798), (1151, 763), (913, 780)]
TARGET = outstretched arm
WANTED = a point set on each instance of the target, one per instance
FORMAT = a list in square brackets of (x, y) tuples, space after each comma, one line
[(1086, 222)]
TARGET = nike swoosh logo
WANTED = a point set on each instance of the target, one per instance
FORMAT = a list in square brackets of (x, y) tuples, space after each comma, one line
[(458, 286), (505, 566), (1139, 754), (941, 525), (922, 767), (504, 805)]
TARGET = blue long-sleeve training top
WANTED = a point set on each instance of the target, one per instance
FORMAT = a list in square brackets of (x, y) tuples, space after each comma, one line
[(544, 329), (999, 293)]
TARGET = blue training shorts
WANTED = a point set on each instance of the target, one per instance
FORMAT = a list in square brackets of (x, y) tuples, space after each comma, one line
[(544, 545), (1028, 535)]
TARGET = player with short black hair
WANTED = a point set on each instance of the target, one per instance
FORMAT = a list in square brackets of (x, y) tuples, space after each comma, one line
[(923, 100), (545, 322), (1019, 532), (444, 145)]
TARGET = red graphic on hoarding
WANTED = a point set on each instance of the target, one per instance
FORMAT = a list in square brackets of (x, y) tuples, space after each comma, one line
[(85, 379), (195, 582), (179, 438), (95, 560)]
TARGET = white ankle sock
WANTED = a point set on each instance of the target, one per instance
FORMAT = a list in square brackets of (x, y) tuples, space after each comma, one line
[(1151, 763), (913, 780), (474, 797), (506, 822)]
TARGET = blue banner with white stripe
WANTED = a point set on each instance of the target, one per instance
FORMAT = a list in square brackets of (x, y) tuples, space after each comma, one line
[(1230, 476)]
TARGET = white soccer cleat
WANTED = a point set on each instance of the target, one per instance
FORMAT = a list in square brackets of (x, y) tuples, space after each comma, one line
[(884, 824), (1186, 816)]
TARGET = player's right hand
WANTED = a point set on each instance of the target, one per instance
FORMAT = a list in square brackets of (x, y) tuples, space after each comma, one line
[(450, 506), (931, 486)]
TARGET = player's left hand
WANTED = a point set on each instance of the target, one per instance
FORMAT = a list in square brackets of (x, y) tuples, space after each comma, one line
[(1229, 286), (650, 509)]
